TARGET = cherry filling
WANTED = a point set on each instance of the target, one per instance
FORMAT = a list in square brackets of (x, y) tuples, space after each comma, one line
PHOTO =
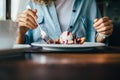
[(78, 40), (67, 38)]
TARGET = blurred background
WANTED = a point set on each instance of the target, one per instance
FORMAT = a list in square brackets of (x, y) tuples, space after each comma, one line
[(111, 8), (10, 8)]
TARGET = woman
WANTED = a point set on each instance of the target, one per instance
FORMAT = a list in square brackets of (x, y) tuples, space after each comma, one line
[(81, 17)]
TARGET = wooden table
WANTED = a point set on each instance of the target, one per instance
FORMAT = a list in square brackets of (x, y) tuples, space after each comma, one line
[(100, 64)]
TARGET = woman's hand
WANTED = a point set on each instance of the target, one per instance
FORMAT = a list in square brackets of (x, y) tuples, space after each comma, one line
[(103, 26), (27, 20)]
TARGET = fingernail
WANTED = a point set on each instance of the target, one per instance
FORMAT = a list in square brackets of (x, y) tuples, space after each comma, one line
[(36, 17)]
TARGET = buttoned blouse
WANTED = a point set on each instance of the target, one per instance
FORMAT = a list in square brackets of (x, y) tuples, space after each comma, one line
[(81, 22)]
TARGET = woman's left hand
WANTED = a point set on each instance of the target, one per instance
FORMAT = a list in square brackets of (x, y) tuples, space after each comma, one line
[(103, 26)]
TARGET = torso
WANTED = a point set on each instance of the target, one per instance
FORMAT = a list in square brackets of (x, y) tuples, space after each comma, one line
[(64, 11)]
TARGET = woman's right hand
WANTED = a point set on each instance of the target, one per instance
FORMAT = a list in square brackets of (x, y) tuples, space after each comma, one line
[(26, 20)]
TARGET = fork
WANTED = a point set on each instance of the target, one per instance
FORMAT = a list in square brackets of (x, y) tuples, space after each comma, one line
[(43, 35)]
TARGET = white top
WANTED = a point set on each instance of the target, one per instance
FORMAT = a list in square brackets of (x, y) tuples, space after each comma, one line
[(64, 12)]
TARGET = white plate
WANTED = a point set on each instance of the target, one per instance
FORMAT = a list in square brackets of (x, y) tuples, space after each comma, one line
[(70, 47)]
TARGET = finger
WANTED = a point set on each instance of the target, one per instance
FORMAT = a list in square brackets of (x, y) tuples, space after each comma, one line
[(110, 27), (23, 20), (23, 24), (27, 24), (18, 16), (30, 12), (105, 28), (28, 17), (108, 32), (109, 23), (100, 21)]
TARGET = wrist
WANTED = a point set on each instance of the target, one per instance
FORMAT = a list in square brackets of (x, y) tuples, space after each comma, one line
[(20, 38), (22, 30), (103, 36), (20, 34)]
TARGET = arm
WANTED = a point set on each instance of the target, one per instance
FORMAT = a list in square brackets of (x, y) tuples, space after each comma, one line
[(20, 38)]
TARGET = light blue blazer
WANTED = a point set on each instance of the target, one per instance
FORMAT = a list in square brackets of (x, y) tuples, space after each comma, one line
[(81, 23)]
